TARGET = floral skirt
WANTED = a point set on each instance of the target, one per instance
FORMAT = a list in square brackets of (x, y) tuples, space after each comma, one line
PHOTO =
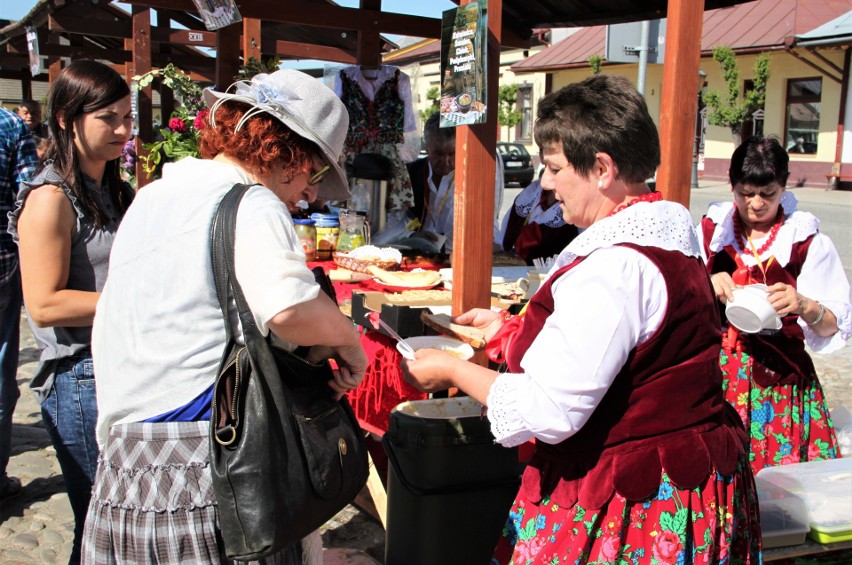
[(786, 423), (716, 522)]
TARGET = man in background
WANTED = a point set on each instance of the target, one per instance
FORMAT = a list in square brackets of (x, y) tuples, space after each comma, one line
[(433, 183), (17, 164), (30, 112)]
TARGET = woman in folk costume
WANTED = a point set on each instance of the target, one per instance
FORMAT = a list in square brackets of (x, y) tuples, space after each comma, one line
[(613, 367), (761, 238)]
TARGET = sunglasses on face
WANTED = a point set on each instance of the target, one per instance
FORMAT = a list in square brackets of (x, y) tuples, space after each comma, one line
[(319, 175)]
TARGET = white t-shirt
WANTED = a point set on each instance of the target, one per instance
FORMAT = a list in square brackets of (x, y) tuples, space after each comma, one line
[(158, 333)]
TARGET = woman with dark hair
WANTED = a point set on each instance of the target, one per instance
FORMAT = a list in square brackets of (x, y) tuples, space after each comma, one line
[(613, 367), (65, 222), (762, 238), (159, 333)]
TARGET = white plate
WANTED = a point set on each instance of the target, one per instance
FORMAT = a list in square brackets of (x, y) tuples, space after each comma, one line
[(409, 286), (499, 275), (448, 344)]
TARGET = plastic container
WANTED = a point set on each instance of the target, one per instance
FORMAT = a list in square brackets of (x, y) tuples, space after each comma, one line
[(783, 516), (450, 487), (328, 230), (826, 488), (308, 236)]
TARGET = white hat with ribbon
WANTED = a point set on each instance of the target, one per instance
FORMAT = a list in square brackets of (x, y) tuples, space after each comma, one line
[(306, 106)]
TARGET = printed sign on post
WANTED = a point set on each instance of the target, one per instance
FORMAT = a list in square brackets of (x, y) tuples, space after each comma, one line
[(463, 65), (32, 46), (218, 13)]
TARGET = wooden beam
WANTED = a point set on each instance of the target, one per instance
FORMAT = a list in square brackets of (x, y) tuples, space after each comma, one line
[(227, 55), (473, 222), (294, 50), (189, 37), (679, 100), (251, 40), (122, 30), (59, 22), (369, 42), (321, 15), (141, 65)]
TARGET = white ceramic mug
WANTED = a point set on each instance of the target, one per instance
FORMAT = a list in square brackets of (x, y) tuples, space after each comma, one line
[(530, 283)]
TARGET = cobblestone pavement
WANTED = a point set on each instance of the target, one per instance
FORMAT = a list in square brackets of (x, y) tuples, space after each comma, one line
[(37, 527)]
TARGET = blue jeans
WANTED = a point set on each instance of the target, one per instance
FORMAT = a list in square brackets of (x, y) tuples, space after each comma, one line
[(70, 413), (10, 335)]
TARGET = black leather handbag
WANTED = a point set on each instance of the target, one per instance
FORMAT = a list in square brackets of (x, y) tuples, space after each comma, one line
[(285, 455)]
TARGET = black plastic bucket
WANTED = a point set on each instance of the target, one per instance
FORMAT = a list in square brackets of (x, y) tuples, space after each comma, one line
[(450, 486)]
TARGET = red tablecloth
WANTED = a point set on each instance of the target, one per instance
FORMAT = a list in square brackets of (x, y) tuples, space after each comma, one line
[(383, 386)]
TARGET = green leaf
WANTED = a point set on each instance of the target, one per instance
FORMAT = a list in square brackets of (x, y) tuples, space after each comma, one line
[(680, 520), (666, 521)]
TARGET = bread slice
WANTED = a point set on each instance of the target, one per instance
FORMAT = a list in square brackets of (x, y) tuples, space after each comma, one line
[(405, 279), (443, 324)]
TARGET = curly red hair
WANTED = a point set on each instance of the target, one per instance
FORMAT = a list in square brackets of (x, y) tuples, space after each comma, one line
[(262, 142)]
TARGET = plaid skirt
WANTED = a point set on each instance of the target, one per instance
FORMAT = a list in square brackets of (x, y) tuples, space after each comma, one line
[(153, 499)]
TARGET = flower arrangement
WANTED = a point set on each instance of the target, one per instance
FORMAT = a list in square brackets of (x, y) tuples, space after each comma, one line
[(128, 161), (180, 136)]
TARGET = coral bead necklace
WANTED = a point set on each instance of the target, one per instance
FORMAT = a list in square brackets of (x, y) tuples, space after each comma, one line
[(647, 197), (743, 240)]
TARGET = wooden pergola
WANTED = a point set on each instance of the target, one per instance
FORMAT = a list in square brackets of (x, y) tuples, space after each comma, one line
[(510, 23)]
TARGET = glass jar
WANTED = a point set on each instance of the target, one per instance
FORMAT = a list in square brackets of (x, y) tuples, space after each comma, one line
[(328, 230), (308, 237)]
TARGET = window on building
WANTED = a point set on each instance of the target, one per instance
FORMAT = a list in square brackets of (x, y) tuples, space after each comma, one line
[(524, 128), (802, 124)]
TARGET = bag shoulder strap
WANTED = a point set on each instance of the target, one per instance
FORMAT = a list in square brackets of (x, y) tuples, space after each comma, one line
[(222, 237)]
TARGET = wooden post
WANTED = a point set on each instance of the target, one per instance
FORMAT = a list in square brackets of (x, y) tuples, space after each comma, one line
[(167, 98), (679, 98), (251, 40), (54, 62), (473, 223), (369, 44), (227, 55), (26, 87), (141, 65)]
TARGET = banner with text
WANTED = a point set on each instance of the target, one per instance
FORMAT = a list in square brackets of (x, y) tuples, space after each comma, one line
[(464, 33)]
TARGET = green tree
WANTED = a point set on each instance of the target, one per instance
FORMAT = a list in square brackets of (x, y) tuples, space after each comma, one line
[(254, 67), (726, 109), (595, 62), (431, 95), (507, 112)]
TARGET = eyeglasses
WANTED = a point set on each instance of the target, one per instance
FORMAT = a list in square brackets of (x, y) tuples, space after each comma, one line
[(319, 175)]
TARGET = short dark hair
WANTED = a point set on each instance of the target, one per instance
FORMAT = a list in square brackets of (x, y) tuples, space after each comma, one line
[(602, 114), (432, 130), (81, 88), (30, 105), (759, 161)]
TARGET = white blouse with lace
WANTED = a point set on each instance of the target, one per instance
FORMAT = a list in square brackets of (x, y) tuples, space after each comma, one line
[(822, 277), (603, 308)]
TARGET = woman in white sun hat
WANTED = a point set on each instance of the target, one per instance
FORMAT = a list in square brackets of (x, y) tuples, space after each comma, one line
[(158, 334)]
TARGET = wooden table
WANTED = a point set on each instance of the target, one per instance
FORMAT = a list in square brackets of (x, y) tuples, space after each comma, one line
[(810, 547)]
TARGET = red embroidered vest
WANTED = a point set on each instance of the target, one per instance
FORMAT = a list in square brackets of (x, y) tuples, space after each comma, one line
[(777, 357), (663, 412)]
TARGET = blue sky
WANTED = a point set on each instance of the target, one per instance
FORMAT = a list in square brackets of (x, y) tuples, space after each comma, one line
[(16, 9)]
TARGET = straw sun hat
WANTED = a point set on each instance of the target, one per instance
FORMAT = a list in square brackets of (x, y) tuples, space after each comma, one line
[(306, 106)]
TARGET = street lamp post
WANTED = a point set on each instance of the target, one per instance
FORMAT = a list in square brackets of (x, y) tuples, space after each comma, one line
[(696, 145)]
